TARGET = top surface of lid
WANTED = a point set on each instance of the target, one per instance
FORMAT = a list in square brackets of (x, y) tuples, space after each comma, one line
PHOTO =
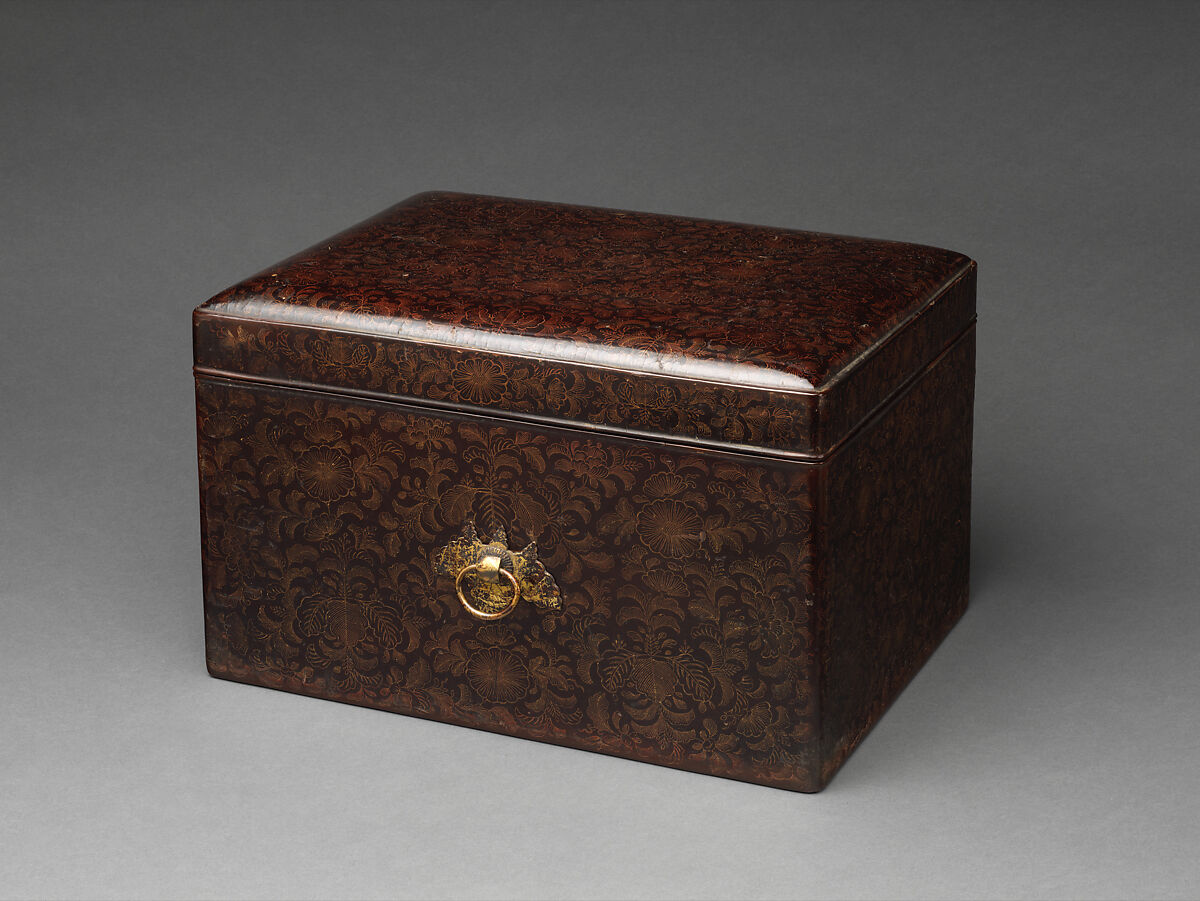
[(637, 292)]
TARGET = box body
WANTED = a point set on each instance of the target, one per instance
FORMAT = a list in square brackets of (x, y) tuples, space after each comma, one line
[(747, 574)]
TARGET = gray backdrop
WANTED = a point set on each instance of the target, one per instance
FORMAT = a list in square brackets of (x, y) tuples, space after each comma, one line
[(154, 154)]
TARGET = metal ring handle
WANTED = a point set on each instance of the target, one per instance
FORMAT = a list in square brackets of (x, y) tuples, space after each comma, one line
[(475, 611)]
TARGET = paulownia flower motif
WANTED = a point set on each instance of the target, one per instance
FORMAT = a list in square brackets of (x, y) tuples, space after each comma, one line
[(340, 355), (325, 473)]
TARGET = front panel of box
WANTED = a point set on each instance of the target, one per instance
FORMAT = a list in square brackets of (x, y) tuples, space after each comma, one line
[(684, 635)]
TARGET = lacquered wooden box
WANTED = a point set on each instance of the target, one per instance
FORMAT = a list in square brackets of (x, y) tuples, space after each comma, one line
[(686, 492)]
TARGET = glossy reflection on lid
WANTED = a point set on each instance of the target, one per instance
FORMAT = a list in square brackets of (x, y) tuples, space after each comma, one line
[(533, 346)]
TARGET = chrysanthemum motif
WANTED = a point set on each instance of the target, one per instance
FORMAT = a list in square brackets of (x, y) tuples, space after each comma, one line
[(479, 381), (498, 675), (670, 528), (325, 473)]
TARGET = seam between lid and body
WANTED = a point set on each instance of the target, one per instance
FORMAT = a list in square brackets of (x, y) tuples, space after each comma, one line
[(502, 415)]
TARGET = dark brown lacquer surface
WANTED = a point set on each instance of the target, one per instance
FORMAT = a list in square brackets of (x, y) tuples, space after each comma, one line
[(894, 548), (749, 618), (653, 324), (684, 637), (744, 455)]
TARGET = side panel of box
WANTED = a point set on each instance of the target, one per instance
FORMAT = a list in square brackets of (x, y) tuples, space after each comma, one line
[(686, 577), (894, 547)]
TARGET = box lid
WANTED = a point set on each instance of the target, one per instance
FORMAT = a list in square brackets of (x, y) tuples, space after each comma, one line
[(651, 325)]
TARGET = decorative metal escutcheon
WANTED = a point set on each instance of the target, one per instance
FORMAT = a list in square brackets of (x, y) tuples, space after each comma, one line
[(490, 580)]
